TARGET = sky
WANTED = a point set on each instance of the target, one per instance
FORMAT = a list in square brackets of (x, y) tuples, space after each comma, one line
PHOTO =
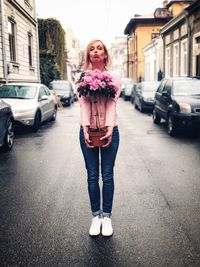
[(92, 19)]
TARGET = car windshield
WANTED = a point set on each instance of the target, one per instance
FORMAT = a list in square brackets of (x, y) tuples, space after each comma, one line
[(18, 91), (187, 87), (150, 87), (60, 86)]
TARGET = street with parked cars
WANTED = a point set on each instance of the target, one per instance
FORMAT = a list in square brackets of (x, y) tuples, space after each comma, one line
[(45, 207), (176, 100)]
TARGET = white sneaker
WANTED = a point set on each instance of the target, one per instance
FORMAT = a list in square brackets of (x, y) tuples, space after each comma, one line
[(107, 229), (95, 227)]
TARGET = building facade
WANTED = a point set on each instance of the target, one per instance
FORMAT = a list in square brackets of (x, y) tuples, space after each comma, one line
[(140, 31), (19, 48), (181, 43), (153, 60), (73, 55), (118, 52)]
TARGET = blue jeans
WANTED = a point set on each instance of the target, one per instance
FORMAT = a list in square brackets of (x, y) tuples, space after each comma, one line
[(92, 163)]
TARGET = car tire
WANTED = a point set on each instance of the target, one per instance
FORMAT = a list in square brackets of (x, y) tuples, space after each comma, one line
[(135, 105), (141, 107), (156, 117), (9, 136), (171, 127), (53, 118), (37, 121)]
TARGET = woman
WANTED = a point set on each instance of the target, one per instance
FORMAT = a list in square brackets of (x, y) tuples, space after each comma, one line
[(97, 58)]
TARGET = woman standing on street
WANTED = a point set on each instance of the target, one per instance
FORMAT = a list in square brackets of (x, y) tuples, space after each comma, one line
[(97, 59)]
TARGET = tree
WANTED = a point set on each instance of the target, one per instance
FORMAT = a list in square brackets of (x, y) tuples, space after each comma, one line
[(52, 50)]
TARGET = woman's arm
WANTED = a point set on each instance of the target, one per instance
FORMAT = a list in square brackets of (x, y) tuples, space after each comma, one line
[(111, 103), (86, 107), (111, 112)]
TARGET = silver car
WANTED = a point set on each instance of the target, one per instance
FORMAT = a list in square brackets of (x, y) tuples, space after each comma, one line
[(31, 103)]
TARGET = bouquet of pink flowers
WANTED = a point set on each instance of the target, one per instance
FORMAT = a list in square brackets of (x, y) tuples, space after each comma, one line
[(95, 82)]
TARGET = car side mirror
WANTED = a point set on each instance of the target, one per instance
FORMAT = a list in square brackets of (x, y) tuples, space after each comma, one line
[(44, 97)]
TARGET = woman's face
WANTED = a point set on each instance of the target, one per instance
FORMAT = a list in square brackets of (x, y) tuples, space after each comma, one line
[(97, 53)]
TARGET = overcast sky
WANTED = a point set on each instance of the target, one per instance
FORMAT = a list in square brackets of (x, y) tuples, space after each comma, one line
[(91, 19)]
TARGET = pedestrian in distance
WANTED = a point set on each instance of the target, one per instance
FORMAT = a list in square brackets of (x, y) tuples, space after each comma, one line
[(99, 91)]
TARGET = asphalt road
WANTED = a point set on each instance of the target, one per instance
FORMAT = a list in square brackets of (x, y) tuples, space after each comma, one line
[(44, 205)]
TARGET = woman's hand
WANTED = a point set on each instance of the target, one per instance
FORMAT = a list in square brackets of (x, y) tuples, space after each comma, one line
[(88, 142), (108, 136)]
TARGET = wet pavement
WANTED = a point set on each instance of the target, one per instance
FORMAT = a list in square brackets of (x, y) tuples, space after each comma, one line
[(44, 206)]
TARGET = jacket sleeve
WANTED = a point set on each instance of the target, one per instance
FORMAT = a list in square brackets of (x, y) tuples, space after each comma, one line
[(86, 108), (111, 104)]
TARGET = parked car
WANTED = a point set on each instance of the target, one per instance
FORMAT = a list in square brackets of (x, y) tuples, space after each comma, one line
[(64, 91), (133, 92), (144, 95), (126, 88), (31, 103), (177, 101), (6, 126)]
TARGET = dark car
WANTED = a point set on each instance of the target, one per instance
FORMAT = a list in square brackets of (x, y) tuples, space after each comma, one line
[(144, 95), (126, 88), (6, 126), (64, 91), (177, 100), (133, 92)]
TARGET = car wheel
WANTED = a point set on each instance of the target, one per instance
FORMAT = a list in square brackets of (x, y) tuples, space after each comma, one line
[(9, 136), (53, 118), (171, 128), (156, 117), (69, 103), (135, 105), (37, 121), (141, 107)]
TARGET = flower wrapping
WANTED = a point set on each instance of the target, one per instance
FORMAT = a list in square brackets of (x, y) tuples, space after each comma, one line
[(95, 82)]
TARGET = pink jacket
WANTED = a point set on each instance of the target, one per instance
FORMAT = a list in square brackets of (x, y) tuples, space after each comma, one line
[(106, 109)]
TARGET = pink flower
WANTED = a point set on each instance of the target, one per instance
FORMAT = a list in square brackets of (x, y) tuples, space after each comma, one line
[(102, 84), (106, 76), (87, 80), (94, 84)]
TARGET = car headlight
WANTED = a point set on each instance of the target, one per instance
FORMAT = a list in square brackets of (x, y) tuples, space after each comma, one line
[(20, 111), (185, 107)]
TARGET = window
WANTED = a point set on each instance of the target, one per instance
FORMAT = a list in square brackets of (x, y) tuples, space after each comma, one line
[(154, 35), (161, 86), (28, 2), (11, 38), (184, 58), (176, 60), (167, 87), (42, 92), (167, 62), (198, 40), (30, 37)]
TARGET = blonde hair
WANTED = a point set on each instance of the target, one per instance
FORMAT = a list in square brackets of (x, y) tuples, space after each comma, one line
[(87, 62)]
